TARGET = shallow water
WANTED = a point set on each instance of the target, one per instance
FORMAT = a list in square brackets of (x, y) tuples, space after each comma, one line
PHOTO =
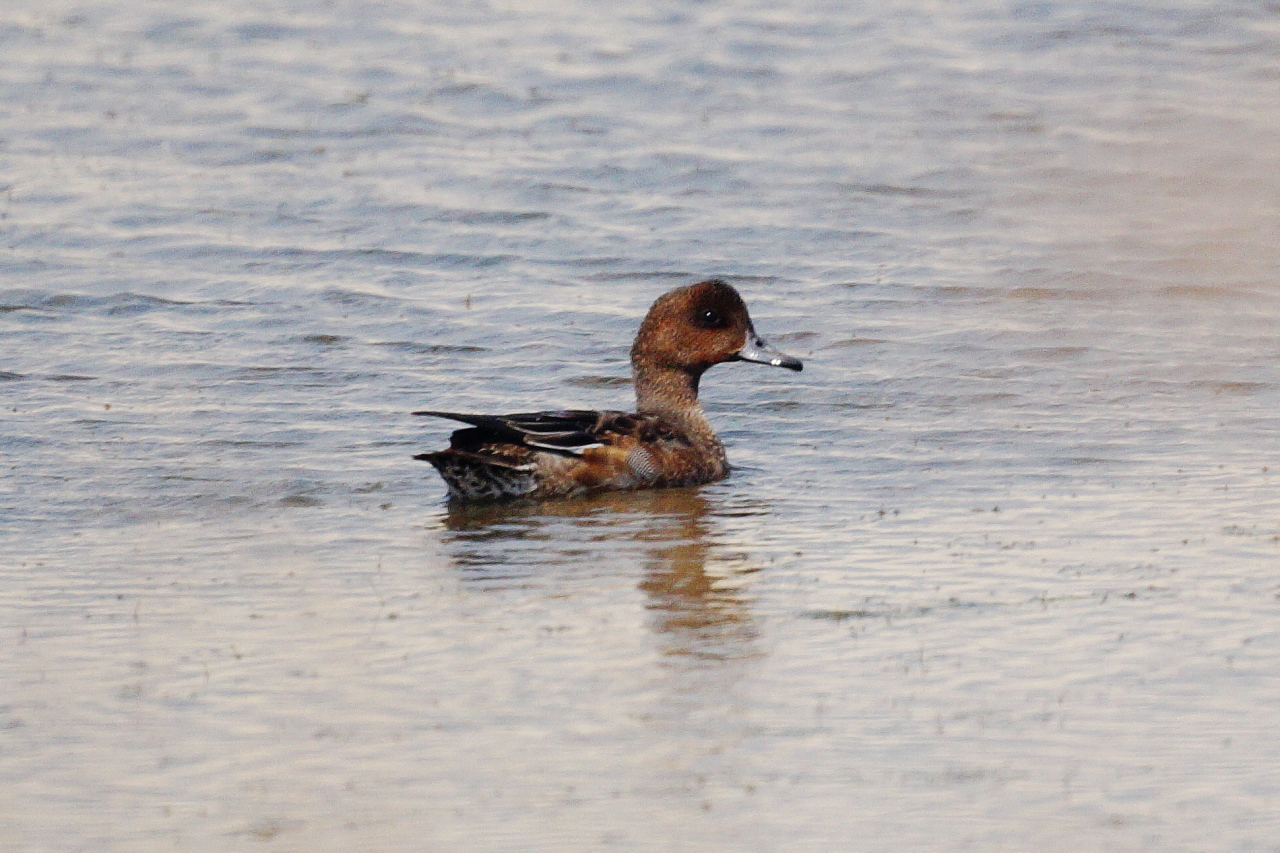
[(996, 572)]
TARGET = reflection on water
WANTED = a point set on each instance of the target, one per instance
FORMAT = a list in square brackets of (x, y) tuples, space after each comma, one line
[(665, 537)]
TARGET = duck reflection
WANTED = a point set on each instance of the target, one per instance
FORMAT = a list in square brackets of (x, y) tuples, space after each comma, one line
[(693, 586)]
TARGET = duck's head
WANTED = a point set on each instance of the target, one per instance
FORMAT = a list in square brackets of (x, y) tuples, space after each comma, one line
[(693, 328)]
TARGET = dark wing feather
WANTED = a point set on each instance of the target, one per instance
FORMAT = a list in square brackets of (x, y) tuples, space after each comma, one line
[(567, 432)]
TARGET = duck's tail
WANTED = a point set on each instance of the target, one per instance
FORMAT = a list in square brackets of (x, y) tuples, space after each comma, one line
[(475, 477)]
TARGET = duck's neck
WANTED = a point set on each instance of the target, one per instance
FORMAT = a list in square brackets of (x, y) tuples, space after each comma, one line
[(673, 393)]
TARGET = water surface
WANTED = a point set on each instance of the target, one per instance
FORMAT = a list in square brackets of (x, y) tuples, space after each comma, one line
[(996, 572)]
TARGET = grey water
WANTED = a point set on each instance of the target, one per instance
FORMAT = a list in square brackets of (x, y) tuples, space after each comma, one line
[(997, 572)]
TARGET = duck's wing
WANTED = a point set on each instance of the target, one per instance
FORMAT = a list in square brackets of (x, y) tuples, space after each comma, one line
[(569, 432)]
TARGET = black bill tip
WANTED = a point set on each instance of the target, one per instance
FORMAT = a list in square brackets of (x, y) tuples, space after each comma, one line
[(756, 350)]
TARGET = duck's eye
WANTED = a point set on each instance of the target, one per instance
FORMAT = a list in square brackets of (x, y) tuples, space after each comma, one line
[(709, 318)]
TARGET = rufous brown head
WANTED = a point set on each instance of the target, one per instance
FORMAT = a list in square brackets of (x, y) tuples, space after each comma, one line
[(695, 327)]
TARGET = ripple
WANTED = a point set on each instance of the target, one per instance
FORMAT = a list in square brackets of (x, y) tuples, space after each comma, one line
[(598, 381), (432, 349), (491, 217), (1226, 386)]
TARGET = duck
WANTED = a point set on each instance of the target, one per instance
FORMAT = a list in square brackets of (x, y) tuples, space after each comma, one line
[(667, 442)]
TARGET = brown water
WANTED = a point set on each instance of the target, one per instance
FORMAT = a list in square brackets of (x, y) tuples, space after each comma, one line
[(996, 572)]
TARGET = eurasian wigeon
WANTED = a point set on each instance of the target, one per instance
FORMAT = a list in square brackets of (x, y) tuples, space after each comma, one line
[(668, 441)]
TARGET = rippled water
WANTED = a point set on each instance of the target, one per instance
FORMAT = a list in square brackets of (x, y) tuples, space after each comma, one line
[(996, 572)]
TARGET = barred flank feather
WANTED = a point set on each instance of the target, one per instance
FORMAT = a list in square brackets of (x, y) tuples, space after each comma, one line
[(472, 477)]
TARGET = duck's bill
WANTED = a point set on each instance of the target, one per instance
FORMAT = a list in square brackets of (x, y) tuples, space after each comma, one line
[(755, 349)]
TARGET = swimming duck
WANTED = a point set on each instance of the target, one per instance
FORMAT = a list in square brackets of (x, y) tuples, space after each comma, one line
[(667, 441)]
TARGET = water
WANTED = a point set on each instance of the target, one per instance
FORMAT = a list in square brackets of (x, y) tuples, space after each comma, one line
[(996, 572)]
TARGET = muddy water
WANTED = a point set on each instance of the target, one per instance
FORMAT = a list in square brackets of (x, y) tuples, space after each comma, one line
[(996, 572)]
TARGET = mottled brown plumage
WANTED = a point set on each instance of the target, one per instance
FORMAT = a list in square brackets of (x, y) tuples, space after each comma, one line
[(667, 442)]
